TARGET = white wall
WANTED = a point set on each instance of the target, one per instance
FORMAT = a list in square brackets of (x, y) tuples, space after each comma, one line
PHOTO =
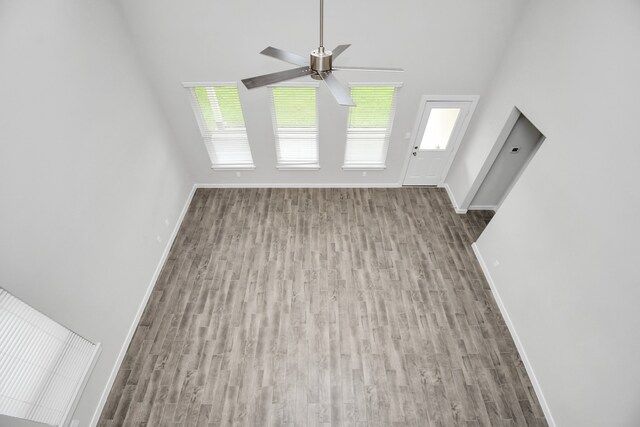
[(6, 421), (566, 238), (89, 171), (447, 47)]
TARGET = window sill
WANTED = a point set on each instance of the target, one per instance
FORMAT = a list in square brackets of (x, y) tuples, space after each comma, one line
[(232, 167), (297, 167), (364, 167)]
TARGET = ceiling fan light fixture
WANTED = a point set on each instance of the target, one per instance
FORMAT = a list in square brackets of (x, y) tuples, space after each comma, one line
[(319, 66)]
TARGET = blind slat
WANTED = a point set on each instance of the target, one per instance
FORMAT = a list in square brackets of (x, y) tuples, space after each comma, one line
[(221, 122), (295, 124), (369, 125), (41, 363)]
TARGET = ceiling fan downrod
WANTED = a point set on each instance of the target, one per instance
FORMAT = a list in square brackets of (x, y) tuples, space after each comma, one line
[(320, 59), (321, 24)]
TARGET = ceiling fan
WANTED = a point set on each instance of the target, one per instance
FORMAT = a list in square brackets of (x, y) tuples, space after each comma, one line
[(319, 66)]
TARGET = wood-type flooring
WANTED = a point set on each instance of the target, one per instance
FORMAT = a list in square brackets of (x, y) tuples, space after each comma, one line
[(333, 307)]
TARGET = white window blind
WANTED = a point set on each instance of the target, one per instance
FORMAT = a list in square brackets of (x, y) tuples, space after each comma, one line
[(369, 126), (43, 365), (219, 115), (295, 124)]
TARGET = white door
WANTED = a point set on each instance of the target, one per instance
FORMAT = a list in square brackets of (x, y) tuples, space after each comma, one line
[(436, 139)]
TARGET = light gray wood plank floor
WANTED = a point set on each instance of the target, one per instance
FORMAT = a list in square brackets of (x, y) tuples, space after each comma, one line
[(308, 307)]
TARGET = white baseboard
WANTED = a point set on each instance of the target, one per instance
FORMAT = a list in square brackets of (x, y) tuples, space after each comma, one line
[(312, 185), (516, 339), (482, 208), (138, 316), (452, 198)]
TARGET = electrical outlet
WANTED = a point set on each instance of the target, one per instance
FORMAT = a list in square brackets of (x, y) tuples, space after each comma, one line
[(364, 173), (407, 135), (166, 222), (496, 263), (159, 239), (238, 173)]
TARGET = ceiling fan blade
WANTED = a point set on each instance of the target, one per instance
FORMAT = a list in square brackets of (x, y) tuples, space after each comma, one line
[(285, 56), (339, 49), (391, 70), (339, 91), (280, 76)]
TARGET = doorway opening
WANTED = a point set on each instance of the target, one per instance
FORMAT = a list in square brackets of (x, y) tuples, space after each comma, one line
[(502, 170)]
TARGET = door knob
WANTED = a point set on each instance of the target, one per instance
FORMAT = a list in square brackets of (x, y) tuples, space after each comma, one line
[(414, 153), (415, 148)]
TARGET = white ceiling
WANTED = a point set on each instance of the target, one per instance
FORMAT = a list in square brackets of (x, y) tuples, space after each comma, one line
[(446, 47)]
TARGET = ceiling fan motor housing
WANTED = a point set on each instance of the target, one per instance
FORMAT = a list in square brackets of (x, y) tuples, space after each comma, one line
[(320, 60)]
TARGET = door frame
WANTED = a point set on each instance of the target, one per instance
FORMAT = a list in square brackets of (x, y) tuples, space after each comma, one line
[(539, 143), (513, 117), (473, 102), (491, 158)]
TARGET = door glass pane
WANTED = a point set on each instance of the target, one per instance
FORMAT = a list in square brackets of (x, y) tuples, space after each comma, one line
[(438, 131)]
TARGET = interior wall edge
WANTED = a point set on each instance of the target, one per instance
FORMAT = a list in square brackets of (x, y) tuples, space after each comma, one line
[(514, 334), (179, 149), (455, 204), (136, 320)]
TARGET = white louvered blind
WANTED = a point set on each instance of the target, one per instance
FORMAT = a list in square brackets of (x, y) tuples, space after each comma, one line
[(295, 123), (42, 364), (219, 115), (369, 126)]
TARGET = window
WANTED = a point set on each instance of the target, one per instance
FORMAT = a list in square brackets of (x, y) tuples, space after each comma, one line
[(439, 128), (369, 126), (43, 365), (219, 115), (295, 124)]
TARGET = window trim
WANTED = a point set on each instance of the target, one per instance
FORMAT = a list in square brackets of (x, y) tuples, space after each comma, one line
[(293, 166), (231, 167), (373, 166), (225, 166), (310, 166), (364, 167)]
